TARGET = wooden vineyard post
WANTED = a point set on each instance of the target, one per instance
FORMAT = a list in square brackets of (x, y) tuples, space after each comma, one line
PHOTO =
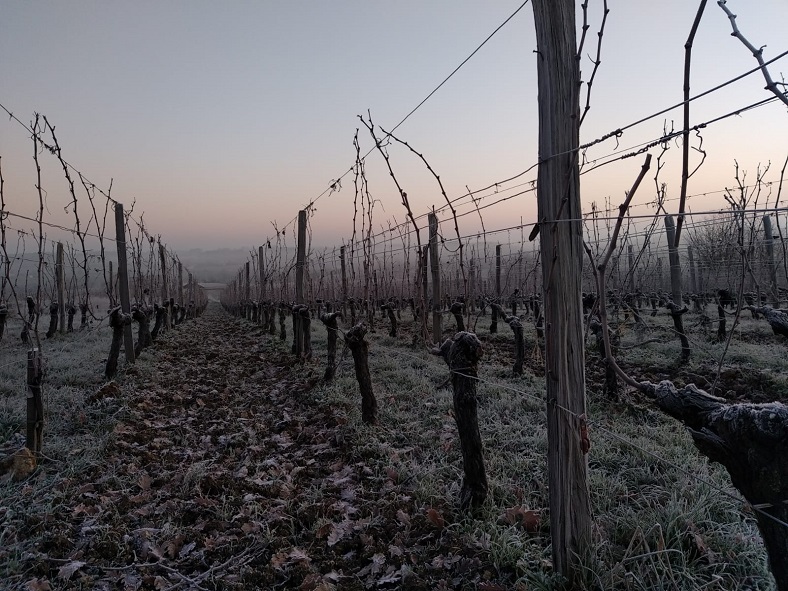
[(261, 269), (3, 318), (631, 259), (494, 315), (123, 281), (298, 337), (437, 331), (180, 287), (559, 214), (330, 321), (471, 303), (192, 306), (112, 298), (462, 354), (61, 287), (247, 291), (305, 324), (677, 310), (771, 265), (164, 300), (344, 277), (693, 275), (35, 404), (354, 339), (424, 282)]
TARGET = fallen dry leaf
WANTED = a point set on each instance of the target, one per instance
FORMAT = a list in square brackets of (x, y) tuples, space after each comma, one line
[(528, 519), (435, 518), (66, 571), (38, 585)]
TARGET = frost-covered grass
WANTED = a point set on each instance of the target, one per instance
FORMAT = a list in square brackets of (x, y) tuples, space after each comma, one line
[(672, 524), (656, 524)]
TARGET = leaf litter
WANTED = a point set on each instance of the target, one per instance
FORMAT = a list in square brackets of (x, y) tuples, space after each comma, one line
[(222, 472)]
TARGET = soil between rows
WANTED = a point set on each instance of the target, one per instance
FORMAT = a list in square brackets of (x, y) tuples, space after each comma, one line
[(222, 472)]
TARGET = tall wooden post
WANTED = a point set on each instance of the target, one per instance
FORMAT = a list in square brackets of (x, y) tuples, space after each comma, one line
[(164, 296), (301, 257), (561, 237), (344, 273), (437, 331), (248, 289), (676, 310), (494, 315), (181, 303), (693, 274), (771, 265), (112, 296), (298, 340), (35, 404), (471, 282), (61, 288), (424, 289), (261, 269), (123, 280), (631, 258)]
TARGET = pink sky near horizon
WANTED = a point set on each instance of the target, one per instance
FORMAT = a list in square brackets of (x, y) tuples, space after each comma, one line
[(219, 119)]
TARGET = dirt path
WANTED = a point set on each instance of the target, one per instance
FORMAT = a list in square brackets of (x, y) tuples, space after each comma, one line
[(223, 473)]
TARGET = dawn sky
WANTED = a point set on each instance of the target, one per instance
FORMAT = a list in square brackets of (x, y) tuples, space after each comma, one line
[(221, 117)]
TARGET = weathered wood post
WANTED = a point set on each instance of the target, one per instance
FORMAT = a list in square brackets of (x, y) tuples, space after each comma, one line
[(112, 297), (123, 281), (677, 309), (693, 274), (305, 324), (462, 354), (354, 338), (330, 321), (631, 260), (180, 287), (494, 315), (299, 287), (61, 287), (192, 304), (437, 330), (559, 214), (770, 262), (261, 295), (35, 404), (344, 277), (3, 318), (164, 296), (247, 291), (424, 291)]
